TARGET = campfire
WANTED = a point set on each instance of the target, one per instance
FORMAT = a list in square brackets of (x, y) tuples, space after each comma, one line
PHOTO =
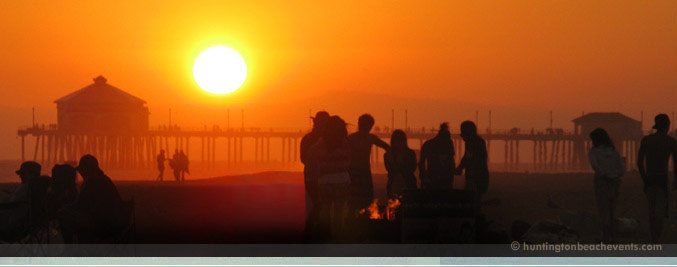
[(389, 213)]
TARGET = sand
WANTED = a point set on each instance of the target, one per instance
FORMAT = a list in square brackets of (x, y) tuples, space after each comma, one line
[(269, 207)]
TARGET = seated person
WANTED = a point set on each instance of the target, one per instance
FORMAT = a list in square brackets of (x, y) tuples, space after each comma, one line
[(98, 212), (14, 209), (63, 190)]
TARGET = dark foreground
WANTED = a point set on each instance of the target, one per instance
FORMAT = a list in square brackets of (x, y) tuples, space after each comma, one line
[(268, 208)]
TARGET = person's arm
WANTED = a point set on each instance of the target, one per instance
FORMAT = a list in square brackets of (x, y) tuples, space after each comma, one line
[(674, 166), (464, 160), (379, 143), (640, 160)]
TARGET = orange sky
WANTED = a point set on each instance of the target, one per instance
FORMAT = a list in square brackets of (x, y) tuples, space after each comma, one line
[(441, 60)]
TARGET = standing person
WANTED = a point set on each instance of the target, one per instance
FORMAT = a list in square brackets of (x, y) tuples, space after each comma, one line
[(330, 160), (654, 153), (436, 166), (161, 164), (608, 167), (362, 186), (310, 181), (400, 162), (474, 162)]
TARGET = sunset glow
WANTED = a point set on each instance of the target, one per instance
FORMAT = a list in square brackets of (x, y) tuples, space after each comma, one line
[(219, 70)]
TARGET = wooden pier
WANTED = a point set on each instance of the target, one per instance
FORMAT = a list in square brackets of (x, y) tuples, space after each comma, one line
[(552, 150)]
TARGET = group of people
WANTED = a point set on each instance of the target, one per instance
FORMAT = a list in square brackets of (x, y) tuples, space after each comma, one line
[(179, 164), (337, 171), (653, 158), (91, 214)]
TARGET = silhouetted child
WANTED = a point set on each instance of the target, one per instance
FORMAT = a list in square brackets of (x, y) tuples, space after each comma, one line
[(436, 166), (608, 166), (362, 186), (400, 162), (655, 150)]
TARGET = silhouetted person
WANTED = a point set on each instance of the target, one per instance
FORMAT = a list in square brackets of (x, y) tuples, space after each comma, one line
[(474, 162), (183, 165), (161, 164), (14, 209), (400, 162), (309, 179), (63, 189), (362, 186), (608, 166), (175, 164), (97, 212), (655, 151), (436, 166), (330, 159)]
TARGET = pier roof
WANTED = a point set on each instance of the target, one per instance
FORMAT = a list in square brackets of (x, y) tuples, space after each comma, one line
[(100, 91)]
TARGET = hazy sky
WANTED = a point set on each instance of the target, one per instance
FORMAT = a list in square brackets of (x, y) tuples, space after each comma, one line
[(441, 60)]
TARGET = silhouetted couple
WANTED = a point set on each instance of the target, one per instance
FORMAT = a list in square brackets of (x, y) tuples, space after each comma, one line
[(179, 163), (98, 212), (652, 161)]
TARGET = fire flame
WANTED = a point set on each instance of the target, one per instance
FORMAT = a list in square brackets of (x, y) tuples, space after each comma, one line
[(375, 214), (373, 210), (391, 208)]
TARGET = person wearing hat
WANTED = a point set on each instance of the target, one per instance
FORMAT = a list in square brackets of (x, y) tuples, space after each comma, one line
[(28, 170), (652, 162), (97, 212), (14, 209), (310, 181)]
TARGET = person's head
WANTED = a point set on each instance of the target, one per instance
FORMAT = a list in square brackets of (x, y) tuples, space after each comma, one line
[(28, 170), (88, 166), (63, 176), (320, 119), (162, 151), (365, 123), (468, 130), (444, 131), (398, 140), (662, 123), (176, 151), (600, 138)]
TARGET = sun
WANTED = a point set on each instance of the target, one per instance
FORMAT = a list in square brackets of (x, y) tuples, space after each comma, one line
[(219, 70)]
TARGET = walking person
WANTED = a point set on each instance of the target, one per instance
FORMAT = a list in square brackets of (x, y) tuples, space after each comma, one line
[(183, 165), (474, 162), (652, 162), (175, 164), (161, 164), (609, 167), (330, 159), (362, 185), (400, 163), (309, 179), (436, 166)]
